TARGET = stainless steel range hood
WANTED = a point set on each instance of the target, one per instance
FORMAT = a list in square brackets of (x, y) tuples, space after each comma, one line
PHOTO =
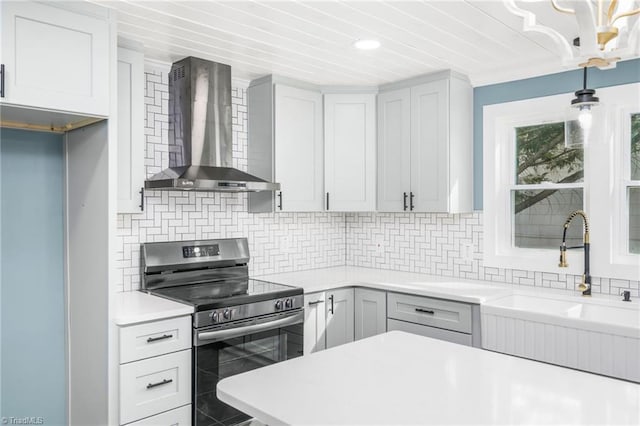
[(200, 133)]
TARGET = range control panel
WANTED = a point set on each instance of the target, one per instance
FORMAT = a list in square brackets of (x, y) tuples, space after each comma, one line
[(250, 310), (200, 251)]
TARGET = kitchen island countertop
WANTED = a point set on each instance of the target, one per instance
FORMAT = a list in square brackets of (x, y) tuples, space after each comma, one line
[(399, 378)]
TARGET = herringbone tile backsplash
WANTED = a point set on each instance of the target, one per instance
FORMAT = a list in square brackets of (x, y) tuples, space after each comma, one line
[(277, 242), (439, 244)]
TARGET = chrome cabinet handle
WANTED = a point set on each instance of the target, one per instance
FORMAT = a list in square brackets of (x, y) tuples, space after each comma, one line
[(404, 196), (411, 201), (280, 198), (327, 201), (331, 299), (155, 339), (425, 311), (164, 382), (315, 302)]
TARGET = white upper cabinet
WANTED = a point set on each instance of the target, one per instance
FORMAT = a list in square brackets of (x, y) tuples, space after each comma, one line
[(285, 146), (298, 149), (55, 59), (429, 128), (130, 130), (394, 150), (350, 152), (425, 145)]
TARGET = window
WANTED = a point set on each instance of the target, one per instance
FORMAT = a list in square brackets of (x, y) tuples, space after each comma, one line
[(633, 187), (533, 180), (548, 185)]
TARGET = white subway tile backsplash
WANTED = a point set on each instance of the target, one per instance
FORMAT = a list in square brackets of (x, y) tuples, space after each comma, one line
[(279, 242)]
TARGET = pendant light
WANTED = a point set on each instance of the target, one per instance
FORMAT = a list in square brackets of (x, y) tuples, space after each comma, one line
[(583, 101)]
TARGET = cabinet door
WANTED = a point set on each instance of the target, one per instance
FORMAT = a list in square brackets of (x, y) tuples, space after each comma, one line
[(394, 145), (339, 307), (154, 385), (55, 59), (370, 313), (298, 149), (429, 146), (314, 322), (130, 130), (350, 152)]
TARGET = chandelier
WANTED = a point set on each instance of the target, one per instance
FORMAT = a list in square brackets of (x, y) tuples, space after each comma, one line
[(608, 30)]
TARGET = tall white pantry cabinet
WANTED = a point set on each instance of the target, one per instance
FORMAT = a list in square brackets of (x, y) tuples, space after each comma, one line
[(59, 69)]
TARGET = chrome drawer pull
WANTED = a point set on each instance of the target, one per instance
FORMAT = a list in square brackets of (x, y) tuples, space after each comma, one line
[(425, 311), (164, 382), (155, 339), (315, 302)]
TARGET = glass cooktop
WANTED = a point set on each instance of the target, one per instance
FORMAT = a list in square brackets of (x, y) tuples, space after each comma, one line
[(230, 292)]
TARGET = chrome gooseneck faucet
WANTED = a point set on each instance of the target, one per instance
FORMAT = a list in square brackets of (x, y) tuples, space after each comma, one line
[(585, 285)]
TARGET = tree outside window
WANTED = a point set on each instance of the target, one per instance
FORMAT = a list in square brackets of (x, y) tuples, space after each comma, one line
[(548, 184)]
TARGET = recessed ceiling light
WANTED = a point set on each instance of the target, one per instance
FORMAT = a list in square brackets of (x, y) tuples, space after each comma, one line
[(366, 44)]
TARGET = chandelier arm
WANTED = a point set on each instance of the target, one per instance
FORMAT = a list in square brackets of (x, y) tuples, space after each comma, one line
[(612, 9), (600, 12), (562, 9), (622, 15)]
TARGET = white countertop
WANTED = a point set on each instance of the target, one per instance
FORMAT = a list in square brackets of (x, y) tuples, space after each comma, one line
[(400, 378), (459, 289), (132, 307)]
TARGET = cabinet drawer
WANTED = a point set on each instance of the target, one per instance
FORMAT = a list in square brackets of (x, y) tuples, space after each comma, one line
[(178, 417), (154, 338), (424, 330), (154, 385), (434, 312)]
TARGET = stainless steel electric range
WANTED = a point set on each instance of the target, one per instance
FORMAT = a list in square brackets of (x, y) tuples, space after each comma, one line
[(239, 323)]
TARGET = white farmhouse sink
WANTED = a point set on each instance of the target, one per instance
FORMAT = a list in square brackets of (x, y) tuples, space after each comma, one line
[(538, 304), (591, 314), (607, 314), (592, 334)]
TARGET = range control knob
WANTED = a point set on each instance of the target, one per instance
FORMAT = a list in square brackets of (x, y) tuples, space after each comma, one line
[(214, 317), (288, 303), (226, 314), (278, 305)]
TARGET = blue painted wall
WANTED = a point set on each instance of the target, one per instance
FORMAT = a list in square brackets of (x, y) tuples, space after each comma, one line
[(552, 84), (32, 276)]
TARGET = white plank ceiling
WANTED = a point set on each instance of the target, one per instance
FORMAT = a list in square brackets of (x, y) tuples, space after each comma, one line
[(313, 40)]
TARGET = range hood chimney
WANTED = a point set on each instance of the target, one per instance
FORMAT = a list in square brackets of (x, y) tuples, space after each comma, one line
[(200, 133)]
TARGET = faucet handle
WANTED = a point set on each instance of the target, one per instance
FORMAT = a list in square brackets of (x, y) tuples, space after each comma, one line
[(583, 285)]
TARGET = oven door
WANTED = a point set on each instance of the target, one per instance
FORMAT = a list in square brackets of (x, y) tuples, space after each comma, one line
[(233, 348)]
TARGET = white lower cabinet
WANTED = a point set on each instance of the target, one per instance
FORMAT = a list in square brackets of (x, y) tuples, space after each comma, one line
[(315, 322), (328, 319), (370, 312), (339, 305), (176, 417), (448, 320), (155, 372)]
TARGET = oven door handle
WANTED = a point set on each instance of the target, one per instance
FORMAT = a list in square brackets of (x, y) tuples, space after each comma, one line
[(249, 329)]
